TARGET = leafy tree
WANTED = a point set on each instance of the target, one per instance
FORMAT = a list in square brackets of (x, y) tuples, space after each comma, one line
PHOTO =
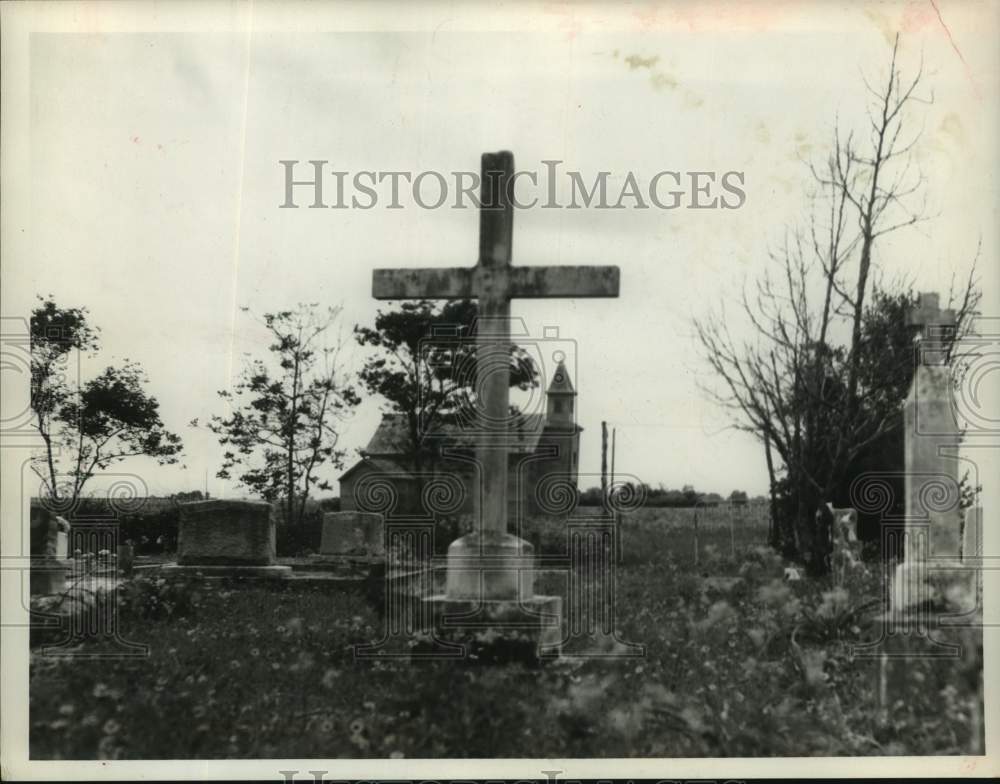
[(738, 497), (87, 427), (187, 496), (425, 366), (286, 411)]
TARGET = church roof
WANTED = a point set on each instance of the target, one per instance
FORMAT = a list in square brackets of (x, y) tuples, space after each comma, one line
[(560, 381), (393, 438), (381, 464)]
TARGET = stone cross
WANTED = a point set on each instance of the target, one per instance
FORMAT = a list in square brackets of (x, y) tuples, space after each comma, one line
[(929, 319), (494, 282)]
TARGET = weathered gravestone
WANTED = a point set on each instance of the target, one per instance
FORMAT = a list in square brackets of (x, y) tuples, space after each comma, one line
[(49, 545), (220, 538), (490, 573), (933, 645), (352, 534)]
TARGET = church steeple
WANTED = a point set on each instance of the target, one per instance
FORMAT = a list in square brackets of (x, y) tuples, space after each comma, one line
[(561, 399)]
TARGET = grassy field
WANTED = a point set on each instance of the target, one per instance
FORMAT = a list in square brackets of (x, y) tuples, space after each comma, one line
[(754, 666)]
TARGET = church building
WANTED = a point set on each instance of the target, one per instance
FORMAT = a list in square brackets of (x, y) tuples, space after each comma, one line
[(543, 462)]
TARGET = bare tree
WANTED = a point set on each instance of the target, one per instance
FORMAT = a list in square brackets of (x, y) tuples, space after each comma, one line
[(813, 401)]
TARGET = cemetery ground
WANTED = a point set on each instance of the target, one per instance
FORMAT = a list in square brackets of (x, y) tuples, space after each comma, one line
[(754, 666)]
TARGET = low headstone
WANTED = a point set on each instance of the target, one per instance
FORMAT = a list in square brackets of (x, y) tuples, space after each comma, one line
[(49, 545), (352, 533), (125, 556), (221, 538), (845, 548), (62, 538)]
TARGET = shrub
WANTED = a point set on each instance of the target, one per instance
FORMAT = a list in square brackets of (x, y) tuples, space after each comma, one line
[(145, 598)]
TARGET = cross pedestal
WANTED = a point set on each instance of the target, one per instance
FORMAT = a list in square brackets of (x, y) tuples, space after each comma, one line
[(490, 571)]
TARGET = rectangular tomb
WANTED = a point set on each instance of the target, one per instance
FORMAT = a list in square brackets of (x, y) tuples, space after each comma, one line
[(226, 533)]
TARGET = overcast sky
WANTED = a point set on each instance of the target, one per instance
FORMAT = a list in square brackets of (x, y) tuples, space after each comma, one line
[(155, 185)]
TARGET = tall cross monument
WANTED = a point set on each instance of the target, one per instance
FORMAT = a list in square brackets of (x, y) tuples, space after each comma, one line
[(492, 555)]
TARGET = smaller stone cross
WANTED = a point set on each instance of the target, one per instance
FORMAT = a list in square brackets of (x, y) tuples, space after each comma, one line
[(933, 325)]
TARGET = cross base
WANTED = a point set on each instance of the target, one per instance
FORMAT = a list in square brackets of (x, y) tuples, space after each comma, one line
[(498, 630), (490, 565), (938, 587), (227, 571), (931, 660)]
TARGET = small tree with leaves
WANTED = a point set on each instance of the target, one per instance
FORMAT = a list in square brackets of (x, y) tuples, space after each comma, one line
[(430, 381), (287, 411), (89, 426)]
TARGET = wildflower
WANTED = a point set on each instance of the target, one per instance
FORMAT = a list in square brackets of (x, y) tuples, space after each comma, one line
[(396, 755), (812, 666), (111, 727), (833, 604), (107, 749), (774, 594), (717, 613), (67, 709), (358, 738), (757, 636), (624, 722), (234, 665), (101, 690), (295, 626), (255, 652), (792, 608), (304, 661), (587, 692), (329, 677)]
